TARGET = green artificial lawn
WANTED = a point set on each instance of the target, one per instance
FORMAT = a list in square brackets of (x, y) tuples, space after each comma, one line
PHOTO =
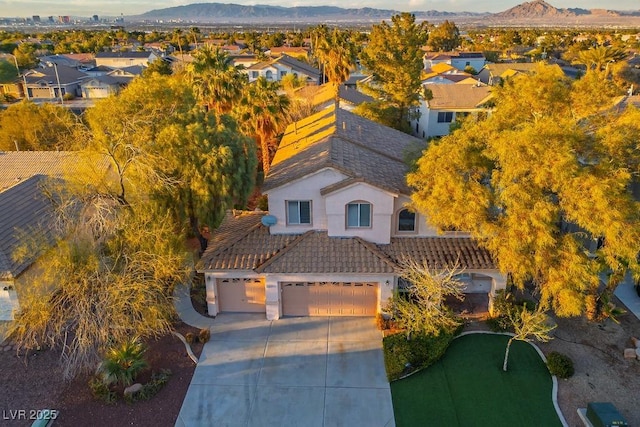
[(468, 387)]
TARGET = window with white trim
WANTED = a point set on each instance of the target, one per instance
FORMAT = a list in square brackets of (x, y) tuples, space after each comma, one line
[(445, 116), (298, 212), (359, 215)]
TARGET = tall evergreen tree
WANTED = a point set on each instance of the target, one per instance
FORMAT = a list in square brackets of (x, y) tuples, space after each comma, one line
[(394, 57)]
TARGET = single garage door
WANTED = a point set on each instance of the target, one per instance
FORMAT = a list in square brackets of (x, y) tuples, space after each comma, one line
[(329, 299), (241, 295)]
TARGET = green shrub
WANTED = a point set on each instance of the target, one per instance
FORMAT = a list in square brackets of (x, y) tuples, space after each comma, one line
[(189, 337), (150, 389), (402, 356), (560, 365), (123, 363), (204, 335), (68, 96), (263, 203), (100, 390)]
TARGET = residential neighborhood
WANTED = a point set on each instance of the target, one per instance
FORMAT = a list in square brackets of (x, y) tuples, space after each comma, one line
[(413, 224)]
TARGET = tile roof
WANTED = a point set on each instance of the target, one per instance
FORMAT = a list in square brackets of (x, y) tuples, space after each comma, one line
[(439, 252), (462, 96), (243, 243), (23, 208), (351, 144), (499, 69), (287, 61), (321, 95), (66, 75), (296, 64), (316, 252), (16, 166), (123, 54)]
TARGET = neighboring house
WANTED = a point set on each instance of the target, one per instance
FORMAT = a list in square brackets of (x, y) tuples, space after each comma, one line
[(23, 209), (493, 74), (276, 69), (458, 60), (125, 59), (53, 82), (80, 61), (321, 97), (448, 103), (300, 53), (245, 60), (99, 70), (103, 86), (446, 74), (462, 60), (337, 229)]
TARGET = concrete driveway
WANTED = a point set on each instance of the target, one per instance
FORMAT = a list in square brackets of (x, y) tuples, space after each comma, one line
[(303, 371)]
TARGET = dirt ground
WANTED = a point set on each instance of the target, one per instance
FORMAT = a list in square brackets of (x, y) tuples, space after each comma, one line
[(34, 383), (601, 375)]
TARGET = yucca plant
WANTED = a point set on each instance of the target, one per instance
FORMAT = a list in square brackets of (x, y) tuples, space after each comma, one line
[(123, 363)]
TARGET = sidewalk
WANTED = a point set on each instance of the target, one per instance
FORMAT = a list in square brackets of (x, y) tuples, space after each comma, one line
[(185, 310), (627, 294)]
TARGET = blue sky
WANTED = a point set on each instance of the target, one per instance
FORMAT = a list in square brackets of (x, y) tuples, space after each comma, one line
[(87, 8)]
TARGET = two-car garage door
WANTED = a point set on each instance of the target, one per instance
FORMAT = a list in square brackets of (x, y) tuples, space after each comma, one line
[(329, 298)]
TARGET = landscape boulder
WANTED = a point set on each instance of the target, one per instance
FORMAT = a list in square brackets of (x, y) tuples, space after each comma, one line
[(132, 389)]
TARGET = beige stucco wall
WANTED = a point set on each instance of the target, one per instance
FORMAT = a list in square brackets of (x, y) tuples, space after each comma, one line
[(382, 204), (307, 188)]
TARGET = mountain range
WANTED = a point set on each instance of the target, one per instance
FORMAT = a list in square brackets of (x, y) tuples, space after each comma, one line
[(538, 10)]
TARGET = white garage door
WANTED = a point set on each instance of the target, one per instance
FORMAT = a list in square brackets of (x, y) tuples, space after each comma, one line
[(241, 295), (329, 299)]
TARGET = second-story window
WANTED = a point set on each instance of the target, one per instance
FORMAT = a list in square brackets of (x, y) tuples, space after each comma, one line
[(298, 212), (406, 220), (358, 215)]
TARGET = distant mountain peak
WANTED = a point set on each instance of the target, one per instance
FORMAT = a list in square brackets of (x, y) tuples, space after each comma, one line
[(539, 9)]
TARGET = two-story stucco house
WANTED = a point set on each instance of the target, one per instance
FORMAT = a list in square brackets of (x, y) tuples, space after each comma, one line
[(276, 69), (448, 103), (337, 228)]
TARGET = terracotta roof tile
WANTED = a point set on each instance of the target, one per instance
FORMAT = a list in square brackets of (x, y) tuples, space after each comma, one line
[(448, 96), (243, 243), (316, 252), (439, 252), (336, 138)]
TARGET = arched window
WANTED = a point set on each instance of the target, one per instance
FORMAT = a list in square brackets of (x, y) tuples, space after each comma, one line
[(406, 220)]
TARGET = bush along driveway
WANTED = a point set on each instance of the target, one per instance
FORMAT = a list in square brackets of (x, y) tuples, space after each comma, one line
[(468, 387)]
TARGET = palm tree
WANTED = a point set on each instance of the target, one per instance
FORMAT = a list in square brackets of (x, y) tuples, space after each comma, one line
[(337, 54), (123, 363), (599, 58), (178, 39), (261, 113), (217, 82)]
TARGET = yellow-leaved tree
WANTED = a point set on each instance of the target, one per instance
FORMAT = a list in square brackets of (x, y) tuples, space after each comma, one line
[(535, 183)]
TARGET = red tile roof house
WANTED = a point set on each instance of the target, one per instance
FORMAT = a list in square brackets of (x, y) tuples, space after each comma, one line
[(337, 228)]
